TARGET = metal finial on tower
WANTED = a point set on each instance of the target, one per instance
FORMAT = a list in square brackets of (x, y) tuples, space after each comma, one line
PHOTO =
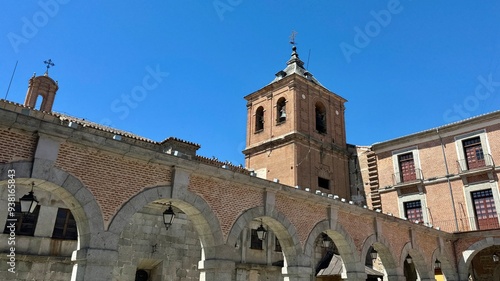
[(292, 37), (49, 63)]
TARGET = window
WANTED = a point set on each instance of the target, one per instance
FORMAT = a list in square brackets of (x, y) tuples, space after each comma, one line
[(484, 209), (406, 164), (473, 152), (413, 211), (65, 226), (259, 119), (406, 167), (281, 110), (277, 245), (320, 111), (255, 242), (323, 183), (26, 223)]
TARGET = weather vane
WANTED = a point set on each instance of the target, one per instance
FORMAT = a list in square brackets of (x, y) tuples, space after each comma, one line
[(49, 63), (292, 37)]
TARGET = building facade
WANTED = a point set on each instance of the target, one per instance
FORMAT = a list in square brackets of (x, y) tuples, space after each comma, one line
[(444, 177), (104, 196)]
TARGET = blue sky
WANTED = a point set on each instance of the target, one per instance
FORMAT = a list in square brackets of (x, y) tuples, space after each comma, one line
[(181, 68)]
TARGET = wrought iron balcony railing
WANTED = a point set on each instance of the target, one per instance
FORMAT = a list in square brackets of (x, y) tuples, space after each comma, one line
[(467, 224), (410, 176), (479, 162)]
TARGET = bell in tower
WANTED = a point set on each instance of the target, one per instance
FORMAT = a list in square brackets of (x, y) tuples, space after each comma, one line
[(44, 87), (296, 132)]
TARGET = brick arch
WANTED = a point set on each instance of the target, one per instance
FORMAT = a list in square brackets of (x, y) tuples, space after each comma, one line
[(418, 259), (466, 258), (382, 246), (75, 195), (198, 211), (447, 266), (282, 228), (344, 242)]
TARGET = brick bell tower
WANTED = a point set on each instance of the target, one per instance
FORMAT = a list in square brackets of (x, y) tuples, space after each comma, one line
[(42, 86), (296, 132)]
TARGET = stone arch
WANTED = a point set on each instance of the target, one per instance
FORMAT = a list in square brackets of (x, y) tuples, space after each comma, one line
[(380, 244), (72, 192), (282, 228), (447, 266), (344, 242), (466, 258), (418, 259), (196, 208)]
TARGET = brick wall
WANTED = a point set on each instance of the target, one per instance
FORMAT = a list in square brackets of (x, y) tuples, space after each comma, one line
[(16, 145), (395, 237), (302, 214), (112, 179), (227, 200), (359, 227), (426, 244), (390, 202)]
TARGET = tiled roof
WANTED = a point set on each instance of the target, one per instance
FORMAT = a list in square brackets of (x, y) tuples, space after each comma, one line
[(179, 140), (441, 127), (85, 123), (295, 65)]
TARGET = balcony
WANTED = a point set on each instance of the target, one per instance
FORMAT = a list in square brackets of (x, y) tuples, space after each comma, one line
[(480, 163), (411, 177), (467, 224)]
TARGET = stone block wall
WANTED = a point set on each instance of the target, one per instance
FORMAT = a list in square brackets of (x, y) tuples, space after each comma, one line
[(166, 255)]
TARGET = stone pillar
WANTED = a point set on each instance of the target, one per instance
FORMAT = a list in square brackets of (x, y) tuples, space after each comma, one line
[(242, 274), (356, 276), (217, 270), (297, 273), (93, 264)]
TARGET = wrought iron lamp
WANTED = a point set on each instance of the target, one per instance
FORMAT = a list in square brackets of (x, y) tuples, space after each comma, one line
[(437, 264), (496, 257), (168, 216), (326, 241), (409, 260), (261, 232), (28, 202), (373, 254)]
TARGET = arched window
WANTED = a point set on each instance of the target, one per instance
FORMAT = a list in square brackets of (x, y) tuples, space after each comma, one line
[(320, 111), (259, 119), (281, 110), (40, 102)]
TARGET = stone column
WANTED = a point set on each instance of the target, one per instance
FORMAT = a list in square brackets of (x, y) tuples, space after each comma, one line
[(93, 264), (241, 274), (217, 270), (297, 273)]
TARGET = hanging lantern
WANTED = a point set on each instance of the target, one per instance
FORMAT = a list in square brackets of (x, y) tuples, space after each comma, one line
[(326, 241), (409, 260), (261, 232), (28, 202), (168, 216), (373, 254)]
